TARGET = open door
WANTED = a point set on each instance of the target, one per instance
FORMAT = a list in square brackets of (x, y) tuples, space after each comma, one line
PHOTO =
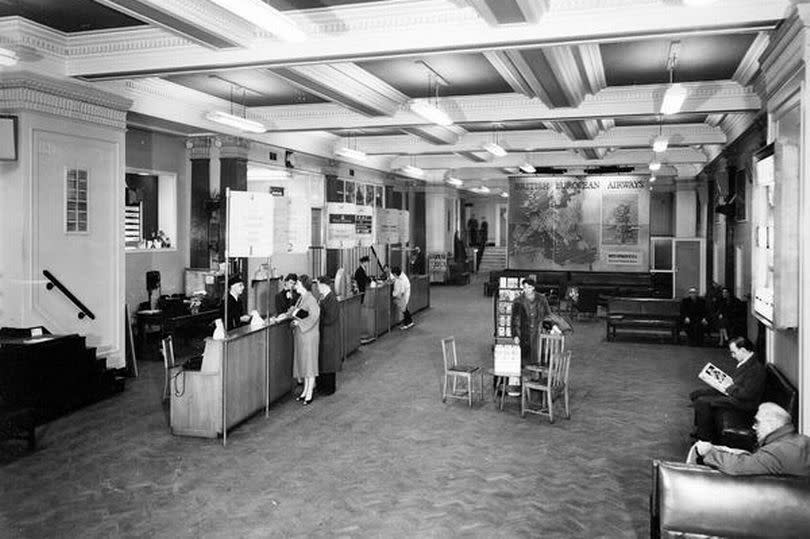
[(689, 266)]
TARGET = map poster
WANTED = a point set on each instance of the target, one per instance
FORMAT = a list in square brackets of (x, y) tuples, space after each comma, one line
[(592, 223), (341, 230)]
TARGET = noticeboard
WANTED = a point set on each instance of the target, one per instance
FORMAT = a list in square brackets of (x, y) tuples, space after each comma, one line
[(250, 224)]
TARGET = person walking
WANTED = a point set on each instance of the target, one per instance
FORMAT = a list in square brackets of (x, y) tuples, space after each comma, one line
[(402, 295), (306, 337)]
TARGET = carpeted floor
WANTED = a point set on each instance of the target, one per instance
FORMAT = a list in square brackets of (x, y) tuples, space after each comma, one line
[(383, 457)]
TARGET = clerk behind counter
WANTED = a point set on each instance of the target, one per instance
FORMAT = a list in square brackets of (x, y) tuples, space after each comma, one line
[(236, 313)]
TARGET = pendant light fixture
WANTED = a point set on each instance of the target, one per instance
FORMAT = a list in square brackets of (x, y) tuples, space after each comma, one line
[(237, 122), (676, 93), (428, 110)]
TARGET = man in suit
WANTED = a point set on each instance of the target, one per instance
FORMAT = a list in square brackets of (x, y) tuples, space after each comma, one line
[(528, 312), (744, 394), (781, 451), (694, 317), (329, 356), (287, 297), (236, 312), (361, 275)]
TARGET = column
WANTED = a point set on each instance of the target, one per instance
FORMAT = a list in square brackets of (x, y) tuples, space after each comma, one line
[(199, 152)]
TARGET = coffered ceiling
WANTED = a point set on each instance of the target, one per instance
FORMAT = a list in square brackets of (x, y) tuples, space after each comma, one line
[(572, 84)]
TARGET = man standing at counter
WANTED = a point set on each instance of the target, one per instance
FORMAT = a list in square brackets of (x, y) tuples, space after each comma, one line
[(361, 275), (402, 295), (236, 313)]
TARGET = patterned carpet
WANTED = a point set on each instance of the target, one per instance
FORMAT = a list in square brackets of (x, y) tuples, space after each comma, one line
[(383, 457)]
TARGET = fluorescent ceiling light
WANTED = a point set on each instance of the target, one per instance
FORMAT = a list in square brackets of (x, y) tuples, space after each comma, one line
[(504, 194), (674, 98), (655, 166), (412, 171), (660, 144), (494, 149), (264, 173), (528, 168), (265, 17), (652, 179), (430, 112), (455, 181), (350, 153), (483, 189), (235, 121), (7, 57)]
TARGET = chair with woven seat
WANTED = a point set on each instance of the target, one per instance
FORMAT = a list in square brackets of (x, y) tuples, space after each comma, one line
[(454, 370), (548, 346), (551, 388)]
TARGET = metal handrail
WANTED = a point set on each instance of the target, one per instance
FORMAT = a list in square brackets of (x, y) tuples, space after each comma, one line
[(83, 310)]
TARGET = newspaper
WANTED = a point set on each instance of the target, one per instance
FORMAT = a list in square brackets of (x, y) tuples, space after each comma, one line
[(716, 378)]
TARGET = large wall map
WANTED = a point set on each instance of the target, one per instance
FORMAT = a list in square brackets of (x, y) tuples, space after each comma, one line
[(591, 223)]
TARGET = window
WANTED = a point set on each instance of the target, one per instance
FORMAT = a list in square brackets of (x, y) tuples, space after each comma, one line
[(75, 200), (150, 210)]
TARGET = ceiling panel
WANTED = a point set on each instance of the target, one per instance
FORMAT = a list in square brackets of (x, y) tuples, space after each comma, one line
[(67, 15), (287, 5), (251, 87), (666, 120), (700, 58), (465, 74)]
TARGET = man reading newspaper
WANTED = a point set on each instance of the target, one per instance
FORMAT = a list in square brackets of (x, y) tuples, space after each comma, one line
[(744, 393)]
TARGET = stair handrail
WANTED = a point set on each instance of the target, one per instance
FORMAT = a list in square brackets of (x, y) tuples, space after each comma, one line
[(53, 281)]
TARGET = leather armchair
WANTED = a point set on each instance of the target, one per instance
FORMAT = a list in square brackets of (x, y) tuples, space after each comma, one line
[(688, 500)]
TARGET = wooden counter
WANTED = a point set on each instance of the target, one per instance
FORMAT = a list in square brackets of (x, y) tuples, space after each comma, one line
[(376, 311), (240, 375), (351, 324)]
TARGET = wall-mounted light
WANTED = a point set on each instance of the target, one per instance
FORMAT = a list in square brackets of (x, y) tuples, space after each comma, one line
[(236, 122)]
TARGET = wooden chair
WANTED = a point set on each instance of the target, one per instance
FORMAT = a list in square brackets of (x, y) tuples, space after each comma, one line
[(548, 346), (554, 386), (454, 370), (167, 348)]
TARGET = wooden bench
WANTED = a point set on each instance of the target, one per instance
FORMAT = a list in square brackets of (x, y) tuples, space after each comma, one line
[(643, 313)]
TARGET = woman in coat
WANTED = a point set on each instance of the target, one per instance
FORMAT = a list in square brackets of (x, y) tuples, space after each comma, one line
[(329, 361), (306, 337)]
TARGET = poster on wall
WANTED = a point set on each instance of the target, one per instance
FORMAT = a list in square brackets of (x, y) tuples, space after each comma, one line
[(341, 230), (404, 226), (595, 223), (389, 226), (364, 225), (250, 224)]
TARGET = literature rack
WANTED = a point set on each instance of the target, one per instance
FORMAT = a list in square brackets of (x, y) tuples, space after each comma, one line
[(508, 290)]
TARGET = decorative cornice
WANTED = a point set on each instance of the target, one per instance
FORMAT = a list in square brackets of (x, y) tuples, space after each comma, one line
[(28, 91), (233, 147), (749, 65), (784, 55), (199, 147)]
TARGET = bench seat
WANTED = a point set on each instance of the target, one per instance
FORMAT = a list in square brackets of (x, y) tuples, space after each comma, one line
[(642, 313)]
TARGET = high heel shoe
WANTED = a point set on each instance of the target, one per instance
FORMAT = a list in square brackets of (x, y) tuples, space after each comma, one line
[(307, 402), (300, 397)]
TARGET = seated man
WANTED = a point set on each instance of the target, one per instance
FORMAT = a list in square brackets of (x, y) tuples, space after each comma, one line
[(782, 451), (694, 317), (744, 394)]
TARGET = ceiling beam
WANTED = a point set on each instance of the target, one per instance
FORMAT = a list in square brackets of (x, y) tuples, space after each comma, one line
[(347, 85), (612, 102), (391, 29), (564, 158), (202, 21), (514, 69), (749, 65), (532, 10)]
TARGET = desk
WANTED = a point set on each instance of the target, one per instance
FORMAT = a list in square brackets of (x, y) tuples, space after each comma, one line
[(169, 324)]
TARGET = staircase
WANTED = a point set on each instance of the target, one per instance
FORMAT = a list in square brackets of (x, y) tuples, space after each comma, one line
[(494, 259)]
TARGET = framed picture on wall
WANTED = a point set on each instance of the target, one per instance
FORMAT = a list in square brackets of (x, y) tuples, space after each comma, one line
[(8, 138)]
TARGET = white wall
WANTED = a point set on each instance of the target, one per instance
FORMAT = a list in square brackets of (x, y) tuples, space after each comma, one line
[(33, 238)]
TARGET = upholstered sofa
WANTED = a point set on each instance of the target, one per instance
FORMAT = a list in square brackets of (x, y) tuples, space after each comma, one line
[(734, 428), (690, 501)]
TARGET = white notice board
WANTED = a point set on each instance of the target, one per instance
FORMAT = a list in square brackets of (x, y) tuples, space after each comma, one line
[(250, 224)]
